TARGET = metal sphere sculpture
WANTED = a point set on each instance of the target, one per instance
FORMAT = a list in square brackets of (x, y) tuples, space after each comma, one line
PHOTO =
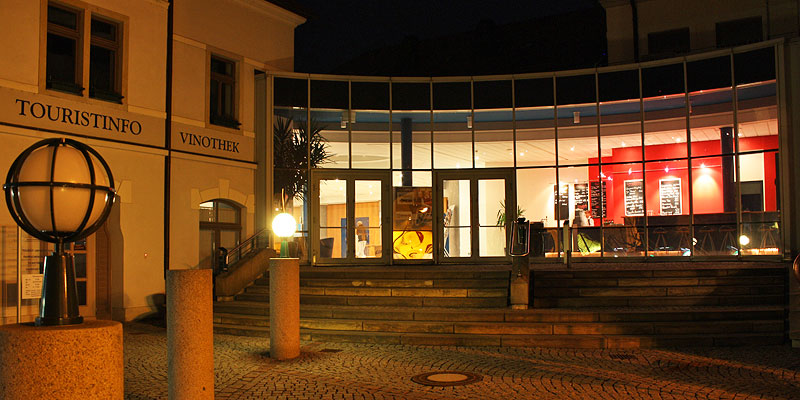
[(59, 190)]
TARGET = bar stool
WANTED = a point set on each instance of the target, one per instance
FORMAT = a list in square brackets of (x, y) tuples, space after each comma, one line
[(706, 240), (728, 239), (767, 237), (660, 233), (683, 237)]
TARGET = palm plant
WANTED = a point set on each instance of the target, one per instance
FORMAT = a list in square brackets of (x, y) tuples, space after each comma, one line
[(293, 148)]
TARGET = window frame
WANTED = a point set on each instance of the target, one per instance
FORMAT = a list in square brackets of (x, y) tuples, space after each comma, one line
[(218, 79), (86, 13), (75, 87), (115, 95)]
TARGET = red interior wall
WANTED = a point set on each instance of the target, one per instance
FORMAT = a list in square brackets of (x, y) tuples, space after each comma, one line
[(707, 183)]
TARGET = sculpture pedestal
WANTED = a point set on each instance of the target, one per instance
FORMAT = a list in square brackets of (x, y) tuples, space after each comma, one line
[(284, 308), (61, 362)]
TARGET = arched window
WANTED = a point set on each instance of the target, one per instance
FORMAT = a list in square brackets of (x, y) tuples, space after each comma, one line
[(220, 227)]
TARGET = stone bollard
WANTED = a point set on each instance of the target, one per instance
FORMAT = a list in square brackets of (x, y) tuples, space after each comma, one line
[(284, 308), (190, 335), (78, 362)]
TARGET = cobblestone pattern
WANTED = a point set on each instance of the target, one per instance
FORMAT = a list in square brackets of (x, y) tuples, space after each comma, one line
[(364, 371)]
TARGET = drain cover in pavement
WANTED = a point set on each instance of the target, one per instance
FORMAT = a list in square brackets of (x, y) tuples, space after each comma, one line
[(446, 378)]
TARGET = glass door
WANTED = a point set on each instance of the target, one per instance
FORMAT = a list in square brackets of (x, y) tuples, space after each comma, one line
[(350, 217), (472, 213)]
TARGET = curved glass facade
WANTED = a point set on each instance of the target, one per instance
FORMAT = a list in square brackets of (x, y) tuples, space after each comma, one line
[(677, 158)]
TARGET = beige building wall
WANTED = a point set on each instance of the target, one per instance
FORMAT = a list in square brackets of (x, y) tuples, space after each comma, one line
[(197, 179)]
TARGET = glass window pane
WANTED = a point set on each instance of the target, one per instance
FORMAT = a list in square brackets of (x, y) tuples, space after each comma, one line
[(452, 139), (333, 218), (536, 143), (61, 58), (329, 95), (494, 138), (492, 217), (577, 134), (207, 213), (754, 66), (60, 16), (79, 260), (452, 96), (620, 117), (714, 206), (412, 226), (411, 96), (578, 89), (533, 93), (492, 94), (411, 140), (368, 218), (103, 29), (330, 147), (102, 69), (370, 95), (492, 241), (370, 139), (457, 242), (227, 213), (291, 92)]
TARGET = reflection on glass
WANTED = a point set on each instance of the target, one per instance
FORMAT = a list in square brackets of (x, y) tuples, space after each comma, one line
[(333, 218), (368, 219), (412, 226), (457, 232)]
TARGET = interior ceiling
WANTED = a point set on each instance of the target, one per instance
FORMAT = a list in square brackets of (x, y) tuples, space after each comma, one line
[(498, 153)]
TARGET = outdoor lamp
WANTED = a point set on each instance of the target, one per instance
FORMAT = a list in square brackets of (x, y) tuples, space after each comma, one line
[(59, 191), (284, 226)]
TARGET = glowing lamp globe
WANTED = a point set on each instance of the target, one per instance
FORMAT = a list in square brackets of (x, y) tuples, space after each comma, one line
[(59, 191), (284, 226)]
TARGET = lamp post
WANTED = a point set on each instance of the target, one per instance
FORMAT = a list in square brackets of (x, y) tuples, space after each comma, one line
[(59, 191), (284, 295), (284, 226)]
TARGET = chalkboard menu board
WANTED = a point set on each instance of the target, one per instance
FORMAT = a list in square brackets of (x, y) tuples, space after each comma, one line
[(561, 201), (634, 198), (670, 194), (581, 196), (598, 198)]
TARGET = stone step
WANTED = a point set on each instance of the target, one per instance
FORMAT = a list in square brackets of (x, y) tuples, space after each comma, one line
[(660, 273), (655, 301), (520, 340), (520, 328), (499, 273), (660, 282), (398, 301), (653, 291), (257, 294)]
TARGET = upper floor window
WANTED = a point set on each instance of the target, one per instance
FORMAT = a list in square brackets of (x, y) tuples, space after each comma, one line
[(104, 60), (670, 42), (66, 57), (64, 49), (739, 32), (222, 96)]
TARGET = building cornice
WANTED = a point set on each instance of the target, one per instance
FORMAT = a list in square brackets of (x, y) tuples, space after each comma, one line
[(274, 11)]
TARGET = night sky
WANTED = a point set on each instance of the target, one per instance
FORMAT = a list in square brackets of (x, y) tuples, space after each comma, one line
[(339, 31)]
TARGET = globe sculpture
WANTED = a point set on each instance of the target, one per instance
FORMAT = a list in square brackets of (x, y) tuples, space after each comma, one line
[(59, 190)]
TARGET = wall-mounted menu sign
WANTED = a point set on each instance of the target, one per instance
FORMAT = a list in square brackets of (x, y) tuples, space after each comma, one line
[(670, 194), (634, 198), (597, 197), (581, 196)]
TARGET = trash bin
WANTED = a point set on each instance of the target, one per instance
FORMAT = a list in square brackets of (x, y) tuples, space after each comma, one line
[(537, 239)]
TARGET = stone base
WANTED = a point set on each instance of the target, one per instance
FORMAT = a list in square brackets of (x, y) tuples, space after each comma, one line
[(284, 308), (61, 362)]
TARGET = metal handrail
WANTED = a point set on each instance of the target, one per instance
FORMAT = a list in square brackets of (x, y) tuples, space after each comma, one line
[(796, 268), (258, 241)]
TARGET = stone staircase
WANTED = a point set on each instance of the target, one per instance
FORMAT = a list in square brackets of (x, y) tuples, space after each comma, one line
[(577, 309)]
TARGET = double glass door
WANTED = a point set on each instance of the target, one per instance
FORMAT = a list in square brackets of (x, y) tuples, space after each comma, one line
[(473, 212), (351, 215)]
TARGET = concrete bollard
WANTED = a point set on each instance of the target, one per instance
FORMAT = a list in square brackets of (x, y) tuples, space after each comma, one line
[(190, 334), (78, 362), (284, 308)]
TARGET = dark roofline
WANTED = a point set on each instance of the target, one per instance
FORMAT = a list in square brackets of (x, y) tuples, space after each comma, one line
[(292, 6)]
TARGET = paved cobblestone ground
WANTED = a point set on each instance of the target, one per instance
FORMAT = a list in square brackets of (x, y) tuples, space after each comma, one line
[(364, 371)]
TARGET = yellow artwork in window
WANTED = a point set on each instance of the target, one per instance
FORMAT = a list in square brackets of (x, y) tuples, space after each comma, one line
[(412, 245)]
